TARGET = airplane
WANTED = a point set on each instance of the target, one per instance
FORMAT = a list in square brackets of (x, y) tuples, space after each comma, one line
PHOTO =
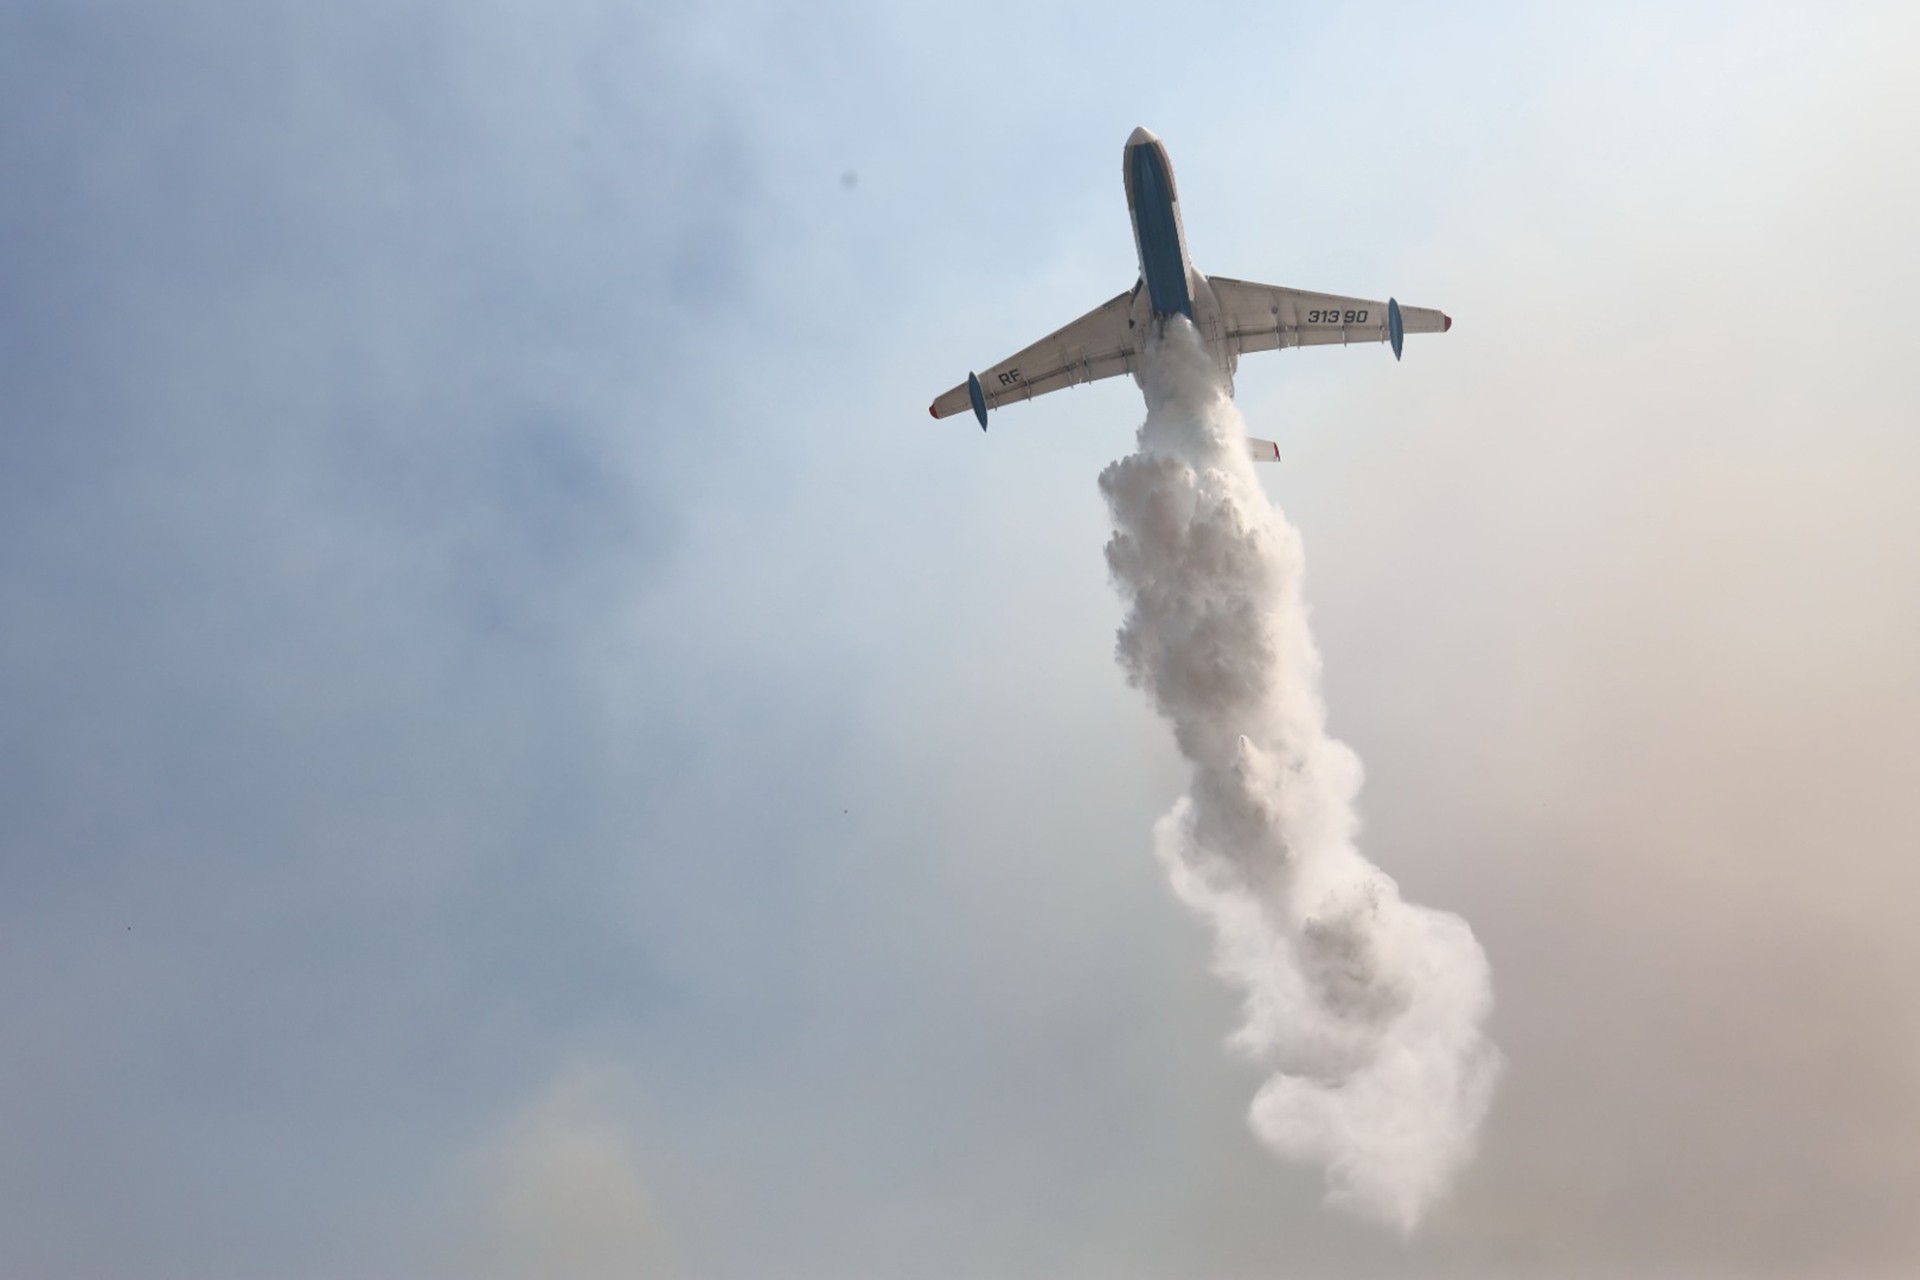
[(1233, 316)]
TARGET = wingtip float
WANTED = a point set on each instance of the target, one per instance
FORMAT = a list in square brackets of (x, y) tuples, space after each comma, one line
[(977, 398), (1233, 316)]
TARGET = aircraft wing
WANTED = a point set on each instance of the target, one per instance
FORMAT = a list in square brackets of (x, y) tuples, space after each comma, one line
[(1262, 317), (1100, 344)]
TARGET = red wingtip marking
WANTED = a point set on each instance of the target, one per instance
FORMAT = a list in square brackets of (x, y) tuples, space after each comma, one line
[(932, 414), (1446, 322)]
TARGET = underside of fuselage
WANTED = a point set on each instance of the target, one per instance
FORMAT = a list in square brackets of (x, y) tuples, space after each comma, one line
[(1157, 233), (1168, 279)]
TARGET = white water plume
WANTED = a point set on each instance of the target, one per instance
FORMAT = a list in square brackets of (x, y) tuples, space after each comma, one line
[(1367, 1009)]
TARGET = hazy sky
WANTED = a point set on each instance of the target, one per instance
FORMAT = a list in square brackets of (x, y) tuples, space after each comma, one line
[(524, 752)]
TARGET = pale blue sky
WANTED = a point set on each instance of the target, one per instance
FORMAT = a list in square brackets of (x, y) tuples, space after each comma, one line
[(526, 752)]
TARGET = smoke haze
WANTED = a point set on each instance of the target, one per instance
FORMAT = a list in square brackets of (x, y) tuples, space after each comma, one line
[(1368, 1009), (526, 752)]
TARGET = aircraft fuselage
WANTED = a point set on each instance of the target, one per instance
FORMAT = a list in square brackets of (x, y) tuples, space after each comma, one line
[(1171, 284)]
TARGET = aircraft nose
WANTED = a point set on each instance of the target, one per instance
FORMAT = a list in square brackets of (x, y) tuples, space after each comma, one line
[(1142, 134)]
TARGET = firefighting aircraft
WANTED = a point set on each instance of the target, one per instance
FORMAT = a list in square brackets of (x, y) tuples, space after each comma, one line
[(1233, 316)]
